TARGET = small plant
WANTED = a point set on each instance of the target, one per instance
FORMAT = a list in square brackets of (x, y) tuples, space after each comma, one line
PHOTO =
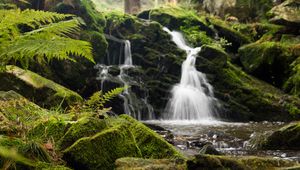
[(96, 102)]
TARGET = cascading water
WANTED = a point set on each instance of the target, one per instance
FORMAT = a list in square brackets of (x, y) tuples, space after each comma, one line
[(137, 107), (193, 97)]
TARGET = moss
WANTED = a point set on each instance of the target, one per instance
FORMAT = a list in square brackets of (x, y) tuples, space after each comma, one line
[(242, 163), (102, 149), (214, 162), (150, 143), (287, 137), (138, 163), (52, 129), (236, 38), (49, 166), (85, 127), (269, 61), (98, 42), (16, 108), (37, 88)]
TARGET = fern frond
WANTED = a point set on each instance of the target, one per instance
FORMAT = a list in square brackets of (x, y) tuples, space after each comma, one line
[(42, 47), (113, 93), (48, 39), (63, 28)]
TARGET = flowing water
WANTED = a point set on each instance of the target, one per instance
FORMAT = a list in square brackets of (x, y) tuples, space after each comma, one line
[(193, 97), (133, 105), (228, 138)]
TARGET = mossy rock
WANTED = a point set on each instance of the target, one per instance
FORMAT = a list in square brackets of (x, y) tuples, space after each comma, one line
[(15, 109), (49, 129), (244, 97), (85, 127), (287, 13), (175, 17), (236, 163), (101, 150), (270, 61), (37, 88), (149, 164), (150, 143), (226, 31), (288, 137), (215, 55)]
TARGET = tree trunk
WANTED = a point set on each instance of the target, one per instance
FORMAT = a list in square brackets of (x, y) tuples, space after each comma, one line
[(132, 6)]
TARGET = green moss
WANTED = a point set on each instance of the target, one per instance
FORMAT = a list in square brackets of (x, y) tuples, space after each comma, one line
[(138, 163), (49, 166), (16, 108), (85, 127), (101, 150), (150, 143), (268, 60), (29, 83), (51, 129), (242, 163)]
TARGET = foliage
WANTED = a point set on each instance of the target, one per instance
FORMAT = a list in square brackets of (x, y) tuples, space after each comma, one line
[(38, 35), (98, 99)]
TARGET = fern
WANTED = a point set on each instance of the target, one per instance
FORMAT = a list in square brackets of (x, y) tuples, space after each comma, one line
[(98, 99), (48, 37)]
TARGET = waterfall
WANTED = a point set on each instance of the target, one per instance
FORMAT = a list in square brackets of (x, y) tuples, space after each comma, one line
[(193, 97), (137, 107)]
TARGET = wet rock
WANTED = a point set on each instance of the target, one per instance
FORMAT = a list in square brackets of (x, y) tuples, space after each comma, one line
[(209, 149), (287, 137)]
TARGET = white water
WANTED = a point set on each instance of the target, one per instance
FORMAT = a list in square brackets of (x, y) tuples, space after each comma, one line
[(192, 98), (133, 105)]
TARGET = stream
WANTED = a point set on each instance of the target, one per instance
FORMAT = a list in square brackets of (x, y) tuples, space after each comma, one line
[(227, 137)]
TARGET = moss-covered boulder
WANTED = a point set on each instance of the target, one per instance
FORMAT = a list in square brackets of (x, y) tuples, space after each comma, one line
[(15, 111), (37, 88), (288, 137), (269, 61), (241, 163), (91, 143), (149, 164), (287, 13), (101, 150), (49, 129), (84, 127), (150, 143)]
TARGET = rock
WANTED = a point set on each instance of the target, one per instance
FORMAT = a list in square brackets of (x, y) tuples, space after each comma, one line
[(149, 164), (37, 88), (101, 150), (209, 149), (92, 143), (15, 111), (242, 163), (51, 129), (287, 13), (217, 56), (269, 61), (84, 127), (287, 138)]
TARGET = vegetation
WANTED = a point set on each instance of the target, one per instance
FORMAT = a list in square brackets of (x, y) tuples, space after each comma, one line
[(57, 111), (30, 35)]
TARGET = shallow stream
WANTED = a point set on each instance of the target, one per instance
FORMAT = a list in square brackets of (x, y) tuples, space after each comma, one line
[(227, 137)]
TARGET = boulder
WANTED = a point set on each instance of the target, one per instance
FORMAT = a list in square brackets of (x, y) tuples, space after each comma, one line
[(288, 138), (287, 13), (37, 88), (269, 61)]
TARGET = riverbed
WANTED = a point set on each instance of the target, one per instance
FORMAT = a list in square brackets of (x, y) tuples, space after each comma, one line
[(230, 138)]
